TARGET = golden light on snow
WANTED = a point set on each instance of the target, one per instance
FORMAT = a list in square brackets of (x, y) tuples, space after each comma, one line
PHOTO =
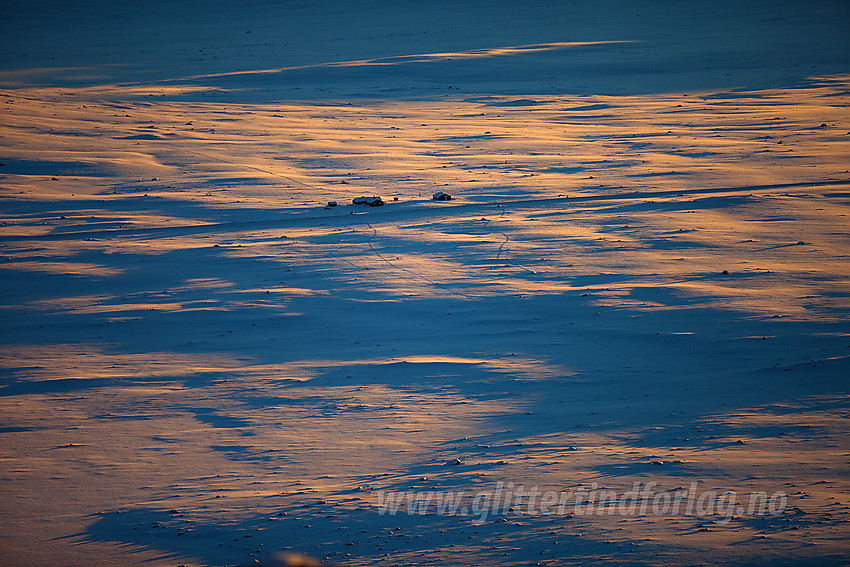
[(426, 57), (625, 287)]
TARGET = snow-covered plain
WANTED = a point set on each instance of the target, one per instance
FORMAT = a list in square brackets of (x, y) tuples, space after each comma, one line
[(643, 277)]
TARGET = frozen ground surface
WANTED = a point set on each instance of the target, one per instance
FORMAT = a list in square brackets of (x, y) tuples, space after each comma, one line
[(643, 277)]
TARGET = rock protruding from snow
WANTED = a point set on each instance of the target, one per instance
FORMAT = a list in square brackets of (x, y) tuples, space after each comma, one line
[(371, 201), (440, 196)]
